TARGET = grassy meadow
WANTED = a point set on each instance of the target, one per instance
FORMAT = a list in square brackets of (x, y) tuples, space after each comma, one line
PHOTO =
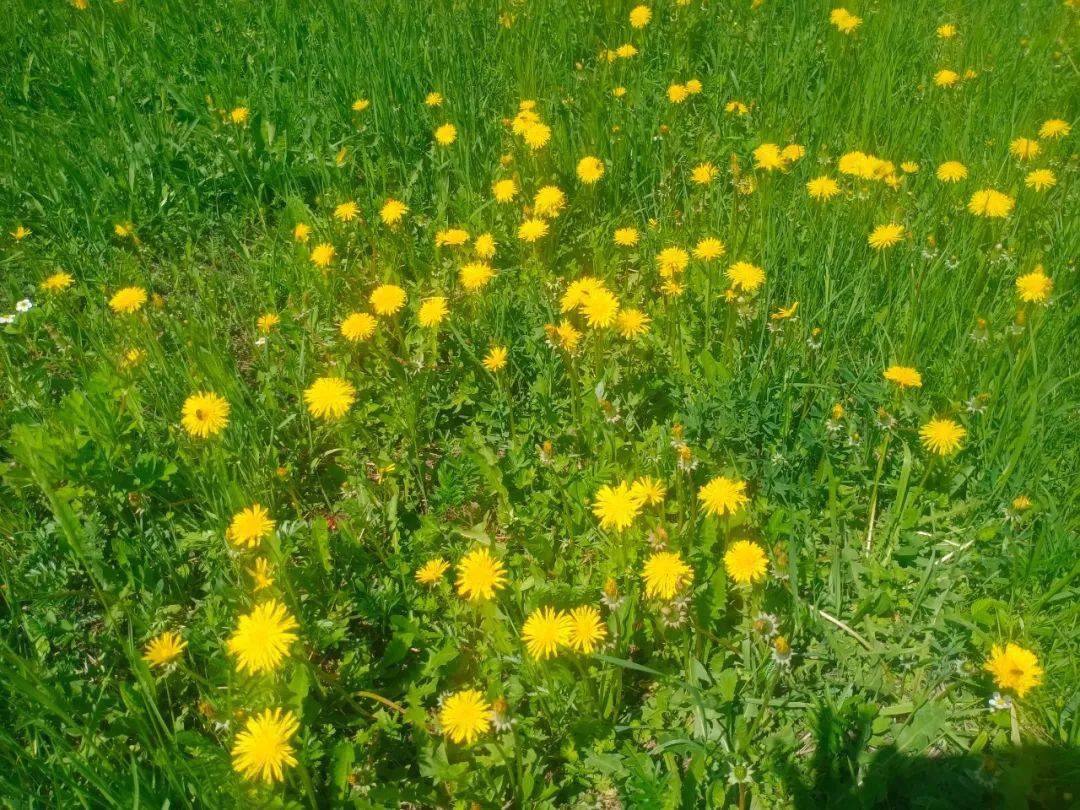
[(539, 404)]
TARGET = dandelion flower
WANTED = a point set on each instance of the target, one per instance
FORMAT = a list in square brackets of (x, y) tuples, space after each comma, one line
[(617, 506), (844, 21), (479, 575), (600, 308), (433, 311), (164, 649), (1040, 179), (587, 629), (360, 105), (640, 16), (1014, 668), (204, 414), (746, 276), (301, 232), (590, 170), (723, 495), (537, 135), (946, 31), (1034, 287), (632, 322), (387, 299), (433, 99), (532, 229), (446, 134), (250, 526), (358, 326), (704, 173), (504, 190), (693, 86), (464, 716), (904, 376), (451, 237), (549, 202), (393, 211), (990, 203), (239, 115), (57, 282), (262, 574), (951, 171), (262, 750), (885, 236), (745, 562), (664, 574), (946, 78), (475, 275), (823, 188), (329, 397), (1054, 128), (484, 245), (1024, 148), (322, 254), (262, 638), (709, 248), (672, 260), (432, 571), (495, 359), (128, 300), (545, 631), (769, 157), (677, 93), (942, 436), (648, 490), (267, 321), (346, 212), (626, 237)]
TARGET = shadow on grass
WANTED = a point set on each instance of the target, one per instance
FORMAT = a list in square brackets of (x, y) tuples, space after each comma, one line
[(1032, 777)]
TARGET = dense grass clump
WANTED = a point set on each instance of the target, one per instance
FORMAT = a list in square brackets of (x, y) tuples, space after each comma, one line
[(539, 404)]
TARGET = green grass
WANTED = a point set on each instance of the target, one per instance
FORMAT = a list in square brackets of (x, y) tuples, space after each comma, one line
[(891, 576)]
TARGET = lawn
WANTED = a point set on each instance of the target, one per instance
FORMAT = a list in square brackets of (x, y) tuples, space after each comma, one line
[(504, 404)]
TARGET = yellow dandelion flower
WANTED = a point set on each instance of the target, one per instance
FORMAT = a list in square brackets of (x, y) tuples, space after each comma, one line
[(361, 104), (346, 212), (648, 490), (672, 260), (745, 562), (665, 573), (885, 236), (433, 99), (545, 631), (704, 173), (904, 376), (393, 211), (1054, 128), (484, 245), (387, 299), (451, 237), (640, 16), (590, 170), (709, 248), (1034, 287), (504, 190), (262, 638), (537, 135), (616, 507), (433, 311), (204, 414), (823, 188), (626, 237), (431, 572), (267, 321), (57, 282), (587, 629), (495, 359), (946, 78), (358, 326), (632, 322), (475, 275), (239, 115), (262, 750), (991, 204), (128, 300), (1014, 668), (164, 649), (1040, 179), (600, 308), (479, 575), (301, 232), (464, 716), (746, 276), (1024, 148), (723, 495), (532, 229), (329, 397), (446, 134), (942, 436), (769, 157), (250, 526), (322, 254), (952, 171), (549, 202)]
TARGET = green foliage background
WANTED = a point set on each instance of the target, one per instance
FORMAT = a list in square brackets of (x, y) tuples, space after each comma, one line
[(112, 520)]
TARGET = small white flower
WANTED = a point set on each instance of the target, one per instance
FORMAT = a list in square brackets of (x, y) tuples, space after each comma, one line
[(260, 341), (6, 319), (24, 305), (999, 701)]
